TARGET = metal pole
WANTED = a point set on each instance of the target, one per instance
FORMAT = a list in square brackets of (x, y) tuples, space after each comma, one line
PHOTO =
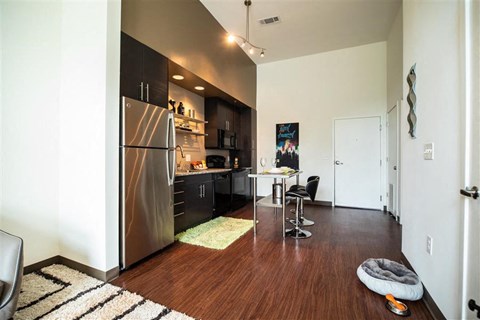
[(283, 206), (255, 206)]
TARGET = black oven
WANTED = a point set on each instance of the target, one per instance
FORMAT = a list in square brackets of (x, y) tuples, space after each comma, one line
[(227, 139)]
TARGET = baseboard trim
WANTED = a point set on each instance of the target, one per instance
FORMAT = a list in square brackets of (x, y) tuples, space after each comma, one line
[(41, 264), (427, 298), (101, 275)]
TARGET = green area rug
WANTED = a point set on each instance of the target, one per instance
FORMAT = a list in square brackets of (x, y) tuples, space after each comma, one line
[(216, 234)]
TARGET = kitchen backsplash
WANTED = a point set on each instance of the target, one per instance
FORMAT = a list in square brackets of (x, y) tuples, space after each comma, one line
[(192, 145)]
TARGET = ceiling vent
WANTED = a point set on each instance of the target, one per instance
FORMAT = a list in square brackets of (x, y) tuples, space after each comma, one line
[(269, 20)]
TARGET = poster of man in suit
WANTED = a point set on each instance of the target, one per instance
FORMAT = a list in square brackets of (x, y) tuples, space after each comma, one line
[(287, 145)]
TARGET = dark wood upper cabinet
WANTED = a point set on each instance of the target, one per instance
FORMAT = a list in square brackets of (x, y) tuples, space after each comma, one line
[(237, 126), (219, 114), (143, 72)]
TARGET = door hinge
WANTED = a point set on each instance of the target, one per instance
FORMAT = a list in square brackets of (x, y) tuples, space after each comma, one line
[(380, 127), (380, 162), (381, 198)]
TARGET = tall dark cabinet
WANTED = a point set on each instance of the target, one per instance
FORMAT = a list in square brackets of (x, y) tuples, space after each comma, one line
[(143, 72), (247, 141)]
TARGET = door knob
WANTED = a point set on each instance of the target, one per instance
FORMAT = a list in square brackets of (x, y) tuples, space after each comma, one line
[(394, 167), (474, 307), (470, 192), (338, 163)]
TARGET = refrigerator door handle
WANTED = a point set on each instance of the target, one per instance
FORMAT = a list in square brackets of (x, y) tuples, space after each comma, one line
[(171, 131), (171, 155)]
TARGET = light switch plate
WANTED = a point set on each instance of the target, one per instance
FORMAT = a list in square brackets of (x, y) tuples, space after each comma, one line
[(428, 151)]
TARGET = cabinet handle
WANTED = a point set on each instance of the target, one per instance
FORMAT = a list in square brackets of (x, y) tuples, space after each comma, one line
[(178, 214), (200, 190), (141, 91), (148, 93), (203, 187)]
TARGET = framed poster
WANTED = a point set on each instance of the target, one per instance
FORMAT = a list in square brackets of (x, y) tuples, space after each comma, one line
[(287, 145)]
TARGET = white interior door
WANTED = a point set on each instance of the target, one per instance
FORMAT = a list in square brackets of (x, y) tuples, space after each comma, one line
[(471, 237), (392, 161), (357, 163)]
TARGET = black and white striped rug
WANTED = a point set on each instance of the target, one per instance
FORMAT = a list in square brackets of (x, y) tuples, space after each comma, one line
[(58, 292)]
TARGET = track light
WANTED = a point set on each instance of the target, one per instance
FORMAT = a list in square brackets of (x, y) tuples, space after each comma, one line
[(244, 41)]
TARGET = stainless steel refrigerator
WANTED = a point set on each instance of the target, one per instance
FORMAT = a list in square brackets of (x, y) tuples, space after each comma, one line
[(148, 169)]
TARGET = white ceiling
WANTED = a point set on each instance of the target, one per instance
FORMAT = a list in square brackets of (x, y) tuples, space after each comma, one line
[(306, 26)]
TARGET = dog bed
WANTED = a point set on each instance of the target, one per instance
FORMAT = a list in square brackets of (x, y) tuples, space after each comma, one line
[(384, 276)]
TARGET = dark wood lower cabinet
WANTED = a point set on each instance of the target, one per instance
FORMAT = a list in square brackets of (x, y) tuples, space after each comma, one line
[(193, 201)]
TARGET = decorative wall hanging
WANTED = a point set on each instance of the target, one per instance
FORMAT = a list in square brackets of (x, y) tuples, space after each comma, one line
[(412, 101), (287, 145)]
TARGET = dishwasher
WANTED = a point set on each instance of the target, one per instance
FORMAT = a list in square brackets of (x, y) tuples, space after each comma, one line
[(222, 190), (241, 187)]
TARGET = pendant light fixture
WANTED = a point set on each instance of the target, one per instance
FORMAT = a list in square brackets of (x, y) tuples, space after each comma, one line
[(246, 41)]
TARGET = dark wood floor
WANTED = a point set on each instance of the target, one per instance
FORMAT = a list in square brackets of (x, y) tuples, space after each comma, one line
[(267, 277)]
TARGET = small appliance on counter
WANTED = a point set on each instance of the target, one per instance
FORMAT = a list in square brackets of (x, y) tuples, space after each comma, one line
[(216, 161)]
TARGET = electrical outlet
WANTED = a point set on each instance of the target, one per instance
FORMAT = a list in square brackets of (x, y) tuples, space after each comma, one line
[(429, 245)]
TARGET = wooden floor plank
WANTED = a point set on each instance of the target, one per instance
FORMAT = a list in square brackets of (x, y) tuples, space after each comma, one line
[(268, 277)]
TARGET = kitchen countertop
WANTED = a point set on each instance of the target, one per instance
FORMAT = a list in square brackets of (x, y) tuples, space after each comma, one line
[(195, 172)]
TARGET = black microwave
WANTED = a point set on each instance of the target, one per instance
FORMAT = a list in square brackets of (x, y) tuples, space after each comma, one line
[(227, 139)]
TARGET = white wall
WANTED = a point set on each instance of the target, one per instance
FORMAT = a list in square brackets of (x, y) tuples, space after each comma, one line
[(89, 99), (430, 202), (395, 61), (59, 149), (314, 90), (1, 131), (30, 124)]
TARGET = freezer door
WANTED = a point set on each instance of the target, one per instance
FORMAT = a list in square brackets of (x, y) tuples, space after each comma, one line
[(147, 207), (144, 125)]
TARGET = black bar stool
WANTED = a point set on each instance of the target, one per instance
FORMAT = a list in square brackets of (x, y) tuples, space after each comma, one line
[(311, 194), (310, 190)]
